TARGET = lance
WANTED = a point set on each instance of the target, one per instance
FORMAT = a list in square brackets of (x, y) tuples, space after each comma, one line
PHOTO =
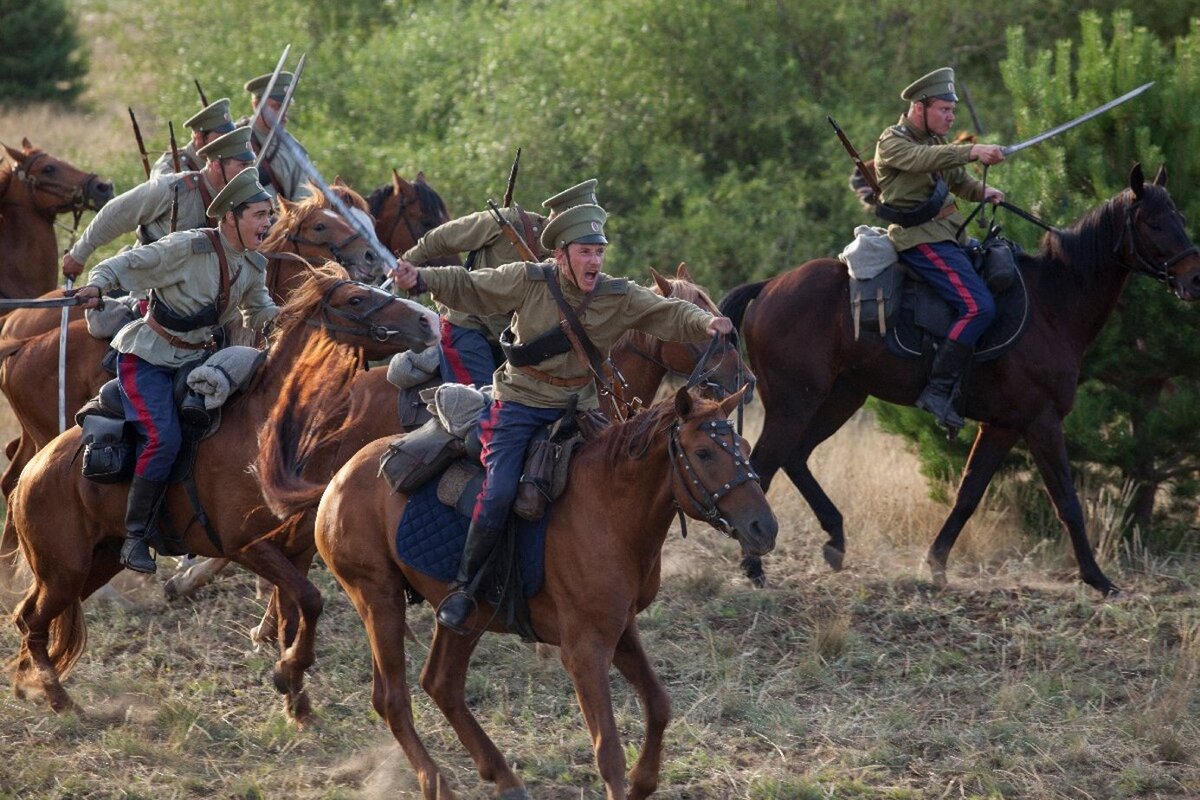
[(1066, 126), (199, 91), (262, 99), (283, 107), (137, 133), (175, 187), (512, 181)]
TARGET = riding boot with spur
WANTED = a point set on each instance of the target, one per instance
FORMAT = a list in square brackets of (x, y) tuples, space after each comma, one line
[(144, 495), (456, 606), (938, 398)]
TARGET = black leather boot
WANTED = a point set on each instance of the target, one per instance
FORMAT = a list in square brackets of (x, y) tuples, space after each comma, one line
[(456, 606), (144, 495), (938, 398)]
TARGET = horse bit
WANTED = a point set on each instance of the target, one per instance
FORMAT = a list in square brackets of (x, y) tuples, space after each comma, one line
[(720, 431)]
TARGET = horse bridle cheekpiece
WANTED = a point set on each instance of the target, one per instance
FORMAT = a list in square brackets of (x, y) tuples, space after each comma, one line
[(704, 500), (1160, 272), (74, 195), (361, 320)]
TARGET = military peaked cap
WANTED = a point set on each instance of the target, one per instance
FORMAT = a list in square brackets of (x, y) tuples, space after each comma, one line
[(242, 188), (212, 118), (256, 86), (578, 195), (583, 224), (937, 85), (235, 145)]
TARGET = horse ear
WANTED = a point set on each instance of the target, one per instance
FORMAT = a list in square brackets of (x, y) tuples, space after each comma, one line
[(28, 145), (16, 155), (1137, 180), (1160, 179), (664, 285), (400, 186), (285, 205), (683, 403), (420, 176), (682, 272), (337, 181), (729, 404)]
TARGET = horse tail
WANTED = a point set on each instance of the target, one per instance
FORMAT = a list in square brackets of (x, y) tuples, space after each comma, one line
[(307, 418), (735, 303), (68, 636)]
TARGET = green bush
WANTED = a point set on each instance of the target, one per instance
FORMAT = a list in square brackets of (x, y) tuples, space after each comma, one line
[(40, 53)]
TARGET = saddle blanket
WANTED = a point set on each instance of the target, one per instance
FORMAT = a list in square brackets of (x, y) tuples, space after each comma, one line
[(431, 537)]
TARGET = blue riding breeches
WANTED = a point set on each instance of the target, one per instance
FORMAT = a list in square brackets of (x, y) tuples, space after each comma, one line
[(505, 430), (945, 266), (148, 395), (466, 356)]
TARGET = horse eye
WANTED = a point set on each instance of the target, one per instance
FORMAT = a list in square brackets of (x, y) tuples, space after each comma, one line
[(356, 300), (319, 227), (704, 454), (49, 169)]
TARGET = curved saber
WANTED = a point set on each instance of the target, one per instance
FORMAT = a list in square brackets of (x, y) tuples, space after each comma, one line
[(1095, 112), (62, 365), (273, 118), (270, 85)]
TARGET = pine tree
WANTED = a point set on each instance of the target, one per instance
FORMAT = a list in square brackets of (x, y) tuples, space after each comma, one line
[(40, 53)]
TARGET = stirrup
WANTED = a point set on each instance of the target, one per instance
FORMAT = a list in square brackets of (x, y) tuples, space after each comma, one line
[(458, 622)]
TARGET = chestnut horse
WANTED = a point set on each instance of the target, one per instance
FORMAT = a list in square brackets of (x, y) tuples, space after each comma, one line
[(70, 529), (404, 212), (814, 375), (35, 188), (602, 567), (29, 367), (644, 361)]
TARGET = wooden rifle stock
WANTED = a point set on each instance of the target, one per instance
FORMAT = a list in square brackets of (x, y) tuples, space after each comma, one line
[(510, 233), (868, 174), (512, 180), (137, 133)]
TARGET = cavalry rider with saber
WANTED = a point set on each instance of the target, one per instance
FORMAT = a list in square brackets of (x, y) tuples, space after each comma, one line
[(917, 171), (198, 281), (538, 392)]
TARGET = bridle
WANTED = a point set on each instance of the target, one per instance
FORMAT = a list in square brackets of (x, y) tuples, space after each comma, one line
[(335, 248), (360, 322), (73, 195), (1157, 271), (428, 220), (700, 357), (702, 500)]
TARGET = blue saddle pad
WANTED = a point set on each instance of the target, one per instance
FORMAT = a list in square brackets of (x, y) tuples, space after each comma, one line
[(431, 537)]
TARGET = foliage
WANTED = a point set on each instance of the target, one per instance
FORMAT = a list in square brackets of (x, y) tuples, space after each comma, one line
[(40, 53)]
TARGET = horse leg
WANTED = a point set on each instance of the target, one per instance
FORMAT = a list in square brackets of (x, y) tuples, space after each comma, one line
[(268, 629), (48, 611), (987, 453), (18, 451), (444, 679), (631, 659), (186, 582), (587, 658), (1049, 450)]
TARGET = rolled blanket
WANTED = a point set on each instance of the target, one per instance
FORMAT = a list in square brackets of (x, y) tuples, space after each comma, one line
[(869, 254), (225, 372), (116, 313), (412, 368), (457, 406)]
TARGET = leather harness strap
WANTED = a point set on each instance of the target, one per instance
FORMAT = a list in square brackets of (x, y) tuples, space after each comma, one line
[(223, 283)]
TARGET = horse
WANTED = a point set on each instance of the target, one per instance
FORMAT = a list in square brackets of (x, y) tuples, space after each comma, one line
[(679, 456), (643, 360), (70, 529), (35, 188), (813, 374), (307, 230), (404, 212)]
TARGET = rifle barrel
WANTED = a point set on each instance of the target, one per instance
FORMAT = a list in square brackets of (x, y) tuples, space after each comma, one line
[(137, 133)]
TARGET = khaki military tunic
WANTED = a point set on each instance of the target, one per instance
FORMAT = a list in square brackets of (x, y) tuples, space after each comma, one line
[(148, 206), (188, 162), (618, 306), (284, 168), (477, 232), (905, 162), (184, 272)]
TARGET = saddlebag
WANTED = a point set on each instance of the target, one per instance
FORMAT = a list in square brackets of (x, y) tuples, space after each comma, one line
[(108, 455)]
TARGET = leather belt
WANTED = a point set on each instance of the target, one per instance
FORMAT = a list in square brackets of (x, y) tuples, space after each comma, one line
[(545, 377), (946, 211), (175, 341)]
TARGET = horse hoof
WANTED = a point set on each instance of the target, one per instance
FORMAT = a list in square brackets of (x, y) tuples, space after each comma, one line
[(752, 568), (171, 590), (833, 557), (938, 573)]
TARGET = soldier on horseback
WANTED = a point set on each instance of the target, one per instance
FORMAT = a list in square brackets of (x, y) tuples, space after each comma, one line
[(279, 170), (198, 280), (918, 169), (546, 300), (206, 125), (147, 207), (470, 343)]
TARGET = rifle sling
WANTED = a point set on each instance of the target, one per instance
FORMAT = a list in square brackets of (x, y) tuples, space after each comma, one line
[(581, 345)]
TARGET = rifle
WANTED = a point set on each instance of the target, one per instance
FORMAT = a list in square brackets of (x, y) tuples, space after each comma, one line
[(137, 132), (510, 232), (199, 91), (512, 180), (175, 187), (867, 174)]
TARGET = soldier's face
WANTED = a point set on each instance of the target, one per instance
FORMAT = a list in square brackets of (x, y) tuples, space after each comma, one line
[(254, 223), (939, 117), (271, 114), (584, 265)]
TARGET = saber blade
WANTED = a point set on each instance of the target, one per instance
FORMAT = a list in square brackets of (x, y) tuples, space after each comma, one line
[(1095, 112)]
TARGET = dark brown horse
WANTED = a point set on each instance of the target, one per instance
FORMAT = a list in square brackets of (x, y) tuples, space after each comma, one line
[(624, 490), (404, 212), (813, 375), (35, 188), (70, 529)]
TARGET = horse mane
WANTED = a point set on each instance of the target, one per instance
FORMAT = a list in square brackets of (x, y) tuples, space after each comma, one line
[(430, 202), (630, 440), (290, 218), (378, 198), (305, 298)]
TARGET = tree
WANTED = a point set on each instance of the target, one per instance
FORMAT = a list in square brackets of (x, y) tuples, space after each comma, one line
[(40, 53)]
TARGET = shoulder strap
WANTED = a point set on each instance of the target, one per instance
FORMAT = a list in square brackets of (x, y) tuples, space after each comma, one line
[(581, 345), (223, 290)]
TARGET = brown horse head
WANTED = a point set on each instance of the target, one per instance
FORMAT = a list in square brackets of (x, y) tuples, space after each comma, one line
[(354, 313), (53, 186), (405, 211), (312, 230), (711, 476), (1154, 239)]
